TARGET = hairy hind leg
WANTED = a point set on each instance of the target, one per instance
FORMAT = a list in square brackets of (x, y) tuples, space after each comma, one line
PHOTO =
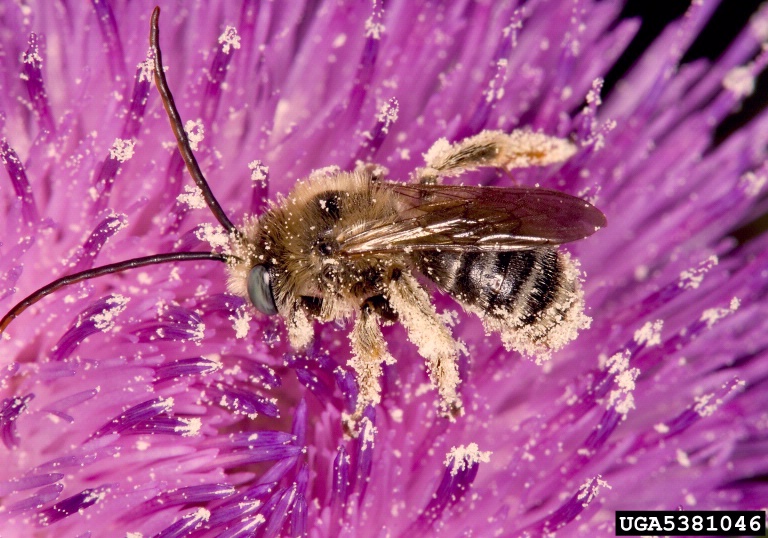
[(521, 148), (433, 338)]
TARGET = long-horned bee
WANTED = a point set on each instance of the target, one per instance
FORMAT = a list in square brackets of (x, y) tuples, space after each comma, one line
[(354, 245)]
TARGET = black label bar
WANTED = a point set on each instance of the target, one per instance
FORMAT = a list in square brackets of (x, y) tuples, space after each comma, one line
[(690, 523)]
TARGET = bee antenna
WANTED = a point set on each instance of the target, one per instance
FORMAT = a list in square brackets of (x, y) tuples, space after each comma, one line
[(181, 136), (104, 270)]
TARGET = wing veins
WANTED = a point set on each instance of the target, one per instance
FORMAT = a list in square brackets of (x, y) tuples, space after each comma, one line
[(473, 218)]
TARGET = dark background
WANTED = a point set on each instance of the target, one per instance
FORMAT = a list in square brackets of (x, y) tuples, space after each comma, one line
[(728, 20)]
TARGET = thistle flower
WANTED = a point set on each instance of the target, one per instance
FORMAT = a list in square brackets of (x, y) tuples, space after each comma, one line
[(152, 403)]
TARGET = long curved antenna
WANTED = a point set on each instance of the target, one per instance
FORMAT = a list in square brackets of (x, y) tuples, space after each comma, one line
[(104, 270), (178, 129)]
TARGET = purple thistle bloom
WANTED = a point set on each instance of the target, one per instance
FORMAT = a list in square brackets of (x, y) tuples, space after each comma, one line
[(153, 403)]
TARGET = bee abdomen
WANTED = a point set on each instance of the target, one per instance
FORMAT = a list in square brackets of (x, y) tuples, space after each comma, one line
[(522, 283)]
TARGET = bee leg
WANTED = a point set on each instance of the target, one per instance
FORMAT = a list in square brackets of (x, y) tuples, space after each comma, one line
[(432, 337), (299, 326), (369, 352), (521, 148)]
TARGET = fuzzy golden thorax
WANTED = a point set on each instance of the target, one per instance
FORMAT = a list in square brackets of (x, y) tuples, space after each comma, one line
[(299, 237)]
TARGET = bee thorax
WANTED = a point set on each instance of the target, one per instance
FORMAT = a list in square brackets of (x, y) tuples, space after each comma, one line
[(300, 238)]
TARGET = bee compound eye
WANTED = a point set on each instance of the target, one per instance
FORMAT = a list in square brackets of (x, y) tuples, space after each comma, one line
[(260, 290)]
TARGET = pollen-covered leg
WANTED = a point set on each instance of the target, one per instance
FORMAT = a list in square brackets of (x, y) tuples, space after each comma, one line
[(299, 326), (369, 352), (519, 149), (432, 337)]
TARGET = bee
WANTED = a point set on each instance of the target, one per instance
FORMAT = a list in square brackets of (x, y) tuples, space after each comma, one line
[(353, 245)]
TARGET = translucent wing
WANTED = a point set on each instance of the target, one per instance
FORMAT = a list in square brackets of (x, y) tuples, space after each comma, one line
[(472, 218)]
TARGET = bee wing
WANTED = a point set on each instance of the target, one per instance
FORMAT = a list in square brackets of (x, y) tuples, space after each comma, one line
[(473, 218)]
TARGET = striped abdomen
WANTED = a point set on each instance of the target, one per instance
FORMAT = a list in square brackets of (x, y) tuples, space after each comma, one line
[(518, 286)]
